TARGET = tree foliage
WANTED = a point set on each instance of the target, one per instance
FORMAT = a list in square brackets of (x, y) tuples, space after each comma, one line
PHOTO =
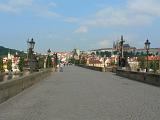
[(41, 62), (82, 60), (9, 65), (154, 65), (21, 64), (1, 64), (142, 62), (97, 53), (49, 62), (4, 51)]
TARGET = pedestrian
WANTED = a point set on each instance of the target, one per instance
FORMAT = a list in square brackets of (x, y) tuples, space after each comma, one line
[(61, 67)]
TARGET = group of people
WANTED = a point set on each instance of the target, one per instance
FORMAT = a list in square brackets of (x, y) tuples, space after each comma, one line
[(61, 65)]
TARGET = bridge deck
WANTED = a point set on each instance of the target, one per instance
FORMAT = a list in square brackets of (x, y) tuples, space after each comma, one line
[(81, 94)]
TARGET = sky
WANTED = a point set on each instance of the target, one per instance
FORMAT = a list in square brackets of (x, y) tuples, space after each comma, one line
[(63, 25)]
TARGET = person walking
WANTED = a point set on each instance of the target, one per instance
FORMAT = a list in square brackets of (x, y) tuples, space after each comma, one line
[(61, 67)]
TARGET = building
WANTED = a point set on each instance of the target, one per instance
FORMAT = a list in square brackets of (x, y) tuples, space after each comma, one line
[(154, 51), (15, 60)]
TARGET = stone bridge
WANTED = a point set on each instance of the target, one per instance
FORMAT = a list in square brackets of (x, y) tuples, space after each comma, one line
[(82, 94)]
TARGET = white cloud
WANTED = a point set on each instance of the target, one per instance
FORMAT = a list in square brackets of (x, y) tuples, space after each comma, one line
[(113, 17), (82, 29), (133, 13), (18, 6), (150, 7), (15, 6)]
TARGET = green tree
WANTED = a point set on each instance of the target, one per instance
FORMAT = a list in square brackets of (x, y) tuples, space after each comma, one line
[(21, 64), (49, 62), (115, 52), (154, 64), (72, 60), (41, 62), (97, 53), (142, 61), (107, 53), (102, 54), (1, 64), (137, 54), (9, 65), (83, 60)]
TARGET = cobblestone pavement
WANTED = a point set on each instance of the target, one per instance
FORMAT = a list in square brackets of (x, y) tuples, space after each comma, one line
[(81, 94)]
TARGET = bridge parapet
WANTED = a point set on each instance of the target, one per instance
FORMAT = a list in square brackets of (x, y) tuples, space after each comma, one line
[(149, 78), (101, 69), (12, 87)]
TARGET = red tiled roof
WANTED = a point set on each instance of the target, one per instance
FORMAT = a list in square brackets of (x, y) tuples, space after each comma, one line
[(153, 57), (94, 61)]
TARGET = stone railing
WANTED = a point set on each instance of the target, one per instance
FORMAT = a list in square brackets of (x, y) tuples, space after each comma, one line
[(92, 67), (12, 87), (101, 69), (150, 78)]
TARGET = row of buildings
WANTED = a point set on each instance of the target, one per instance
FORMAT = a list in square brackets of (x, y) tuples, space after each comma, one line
[(14, 59), (94, 58)]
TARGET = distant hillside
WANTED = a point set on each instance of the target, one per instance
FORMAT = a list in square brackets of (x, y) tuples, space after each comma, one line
[(4, 51)]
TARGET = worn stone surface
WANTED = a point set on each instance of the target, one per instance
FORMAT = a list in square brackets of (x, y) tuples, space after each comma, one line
[(82, 94)]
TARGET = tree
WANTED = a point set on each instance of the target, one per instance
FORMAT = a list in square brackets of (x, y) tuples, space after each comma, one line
[(41, 62), (9, 65), (72, 60), (21, 64), (154, 65), (97, 53), (115, 52), (83, 60), (102, 54), (1, 64), (49, 62), (142, 54), (107, 53), (137, 54), (141, 60)]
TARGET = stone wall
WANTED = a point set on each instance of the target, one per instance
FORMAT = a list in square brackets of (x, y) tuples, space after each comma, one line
[(149, 78), (12, 87), (101, 69), (92, 68)]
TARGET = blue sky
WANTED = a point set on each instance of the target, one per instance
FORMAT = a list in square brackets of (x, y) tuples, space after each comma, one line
[(62, 25)]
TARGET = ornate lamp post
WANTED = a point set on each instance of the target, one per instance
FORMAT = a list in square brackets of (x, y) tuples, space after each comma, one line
[(55, 61), (104, 59), (121, 55), (147, 47), (93, 58), (48, 59), (31, 45), (49, 51), (121, 46)]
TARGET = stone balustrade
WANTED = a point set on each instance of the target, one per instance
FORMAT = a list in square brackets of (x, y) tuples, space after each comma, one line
[(149, 78), (101, 69), (12, 87)]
